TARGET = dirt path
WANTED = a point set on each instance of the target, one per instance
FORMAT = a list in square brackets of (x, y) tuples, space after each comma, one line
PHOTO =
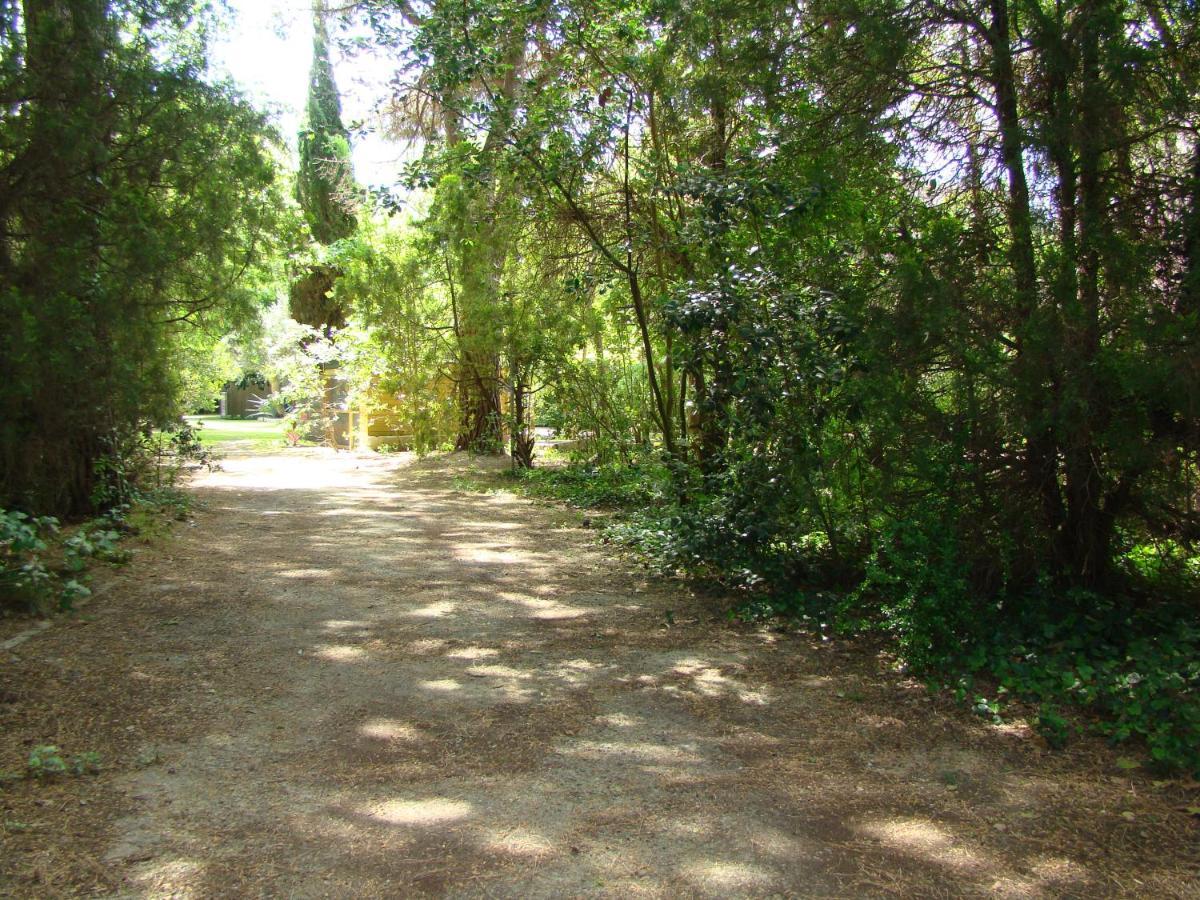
[(347, 678)]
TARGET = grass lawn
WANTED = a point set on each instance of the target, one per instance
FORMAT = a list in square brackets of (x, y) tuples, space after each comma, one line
[(239, 434)]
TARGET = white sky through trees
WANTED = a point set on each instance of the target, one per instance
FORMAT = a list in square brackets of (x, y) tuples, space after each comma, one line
[(266, 46)]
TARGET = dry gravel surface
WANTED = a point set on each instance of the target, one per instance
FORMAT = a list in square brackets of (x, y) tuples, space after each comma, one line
[(346, 677)]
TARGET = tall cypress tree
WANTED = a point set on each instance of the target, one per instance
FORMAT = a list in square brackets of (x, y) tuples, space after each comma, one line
[(326, 192), (325, 183)]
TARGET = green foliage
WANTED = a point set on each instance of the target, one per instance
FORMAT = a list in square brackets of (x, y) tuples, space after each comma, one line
[(147, 460), (395, 355), (99, 543), (1131, 676), (1084, 661), (311, 299), (272, 406), (325, 181), (24, 579), (139, 194), (41, 570), (1052, 725), (607, 487), (44, 567), (46, 761)]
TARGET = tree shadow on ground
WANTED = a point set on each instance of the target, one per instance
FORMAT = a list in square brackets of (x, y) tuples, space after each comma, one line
[(395, 688)]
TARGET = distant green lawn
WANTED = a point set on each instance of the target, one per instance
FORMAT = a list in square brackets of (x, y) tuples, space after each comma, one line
[(239, 434)]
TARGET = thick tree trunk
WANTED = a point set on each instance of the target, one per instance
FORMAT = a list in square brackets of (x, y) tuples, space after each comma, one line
[(484, 252), (57, 430)]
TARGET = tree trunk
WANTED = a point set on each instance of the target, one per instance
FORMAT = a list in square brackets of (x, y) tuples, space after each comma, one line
[(483, 256), (56, 433), (481, 430), (523, 437), (1189, 293), (1087, 529), (1033, 363)]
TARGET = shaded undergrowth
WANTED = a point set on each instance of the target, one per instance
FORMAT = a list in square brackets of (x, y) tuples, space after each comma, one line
[(1124, 666)]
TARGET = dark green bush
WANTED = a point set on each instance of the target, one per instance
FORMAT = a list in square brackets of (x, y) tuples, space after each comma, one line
[(608, 486)]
